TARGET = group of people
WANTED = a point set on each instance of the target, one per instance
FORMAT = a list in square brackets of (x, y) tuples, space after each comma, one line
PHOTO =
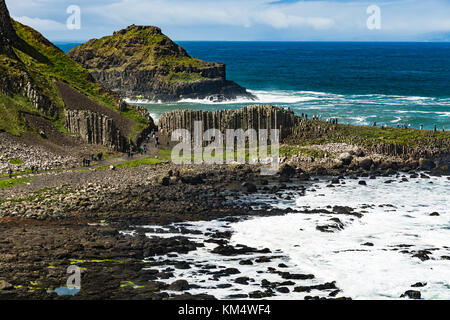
[(317, 118), (406, 126), (34, 169), (94, 157)]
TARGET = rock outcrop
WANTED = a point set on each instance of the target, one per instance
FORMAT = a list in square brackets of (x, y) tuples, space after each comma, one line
[(96, 128), (252, 117), (145, 63)]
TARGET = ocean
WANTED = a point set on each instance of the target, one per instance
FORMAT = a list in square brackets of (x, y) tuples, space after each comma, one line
[(370, 257), (357, 82)]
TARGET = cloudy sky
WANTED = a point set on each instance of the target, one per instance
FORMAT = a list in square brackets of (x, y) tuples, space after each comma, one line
[(244, 20)]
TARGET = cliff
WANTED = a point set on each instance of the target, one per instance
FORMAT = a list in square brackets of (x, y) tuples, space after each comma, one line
[(141, 61), (252, 117), (37, 79)]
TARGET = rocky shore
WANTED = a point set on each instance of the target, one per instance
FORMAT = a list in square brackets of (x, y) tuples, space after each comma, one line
[(77, 216)]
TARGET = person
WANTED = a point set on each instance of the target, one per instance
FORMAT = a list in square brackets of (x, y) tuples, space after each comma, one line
[(84, 162), (10, 173), (421, 127), (435, 128), (374, 123), (156, 142), (100, 156)]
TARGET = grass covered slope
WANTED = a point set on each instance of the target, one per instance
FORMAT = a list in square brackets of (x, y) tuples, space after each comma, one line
[(145, 48), (390, 140), (30, 68), (140, 61)]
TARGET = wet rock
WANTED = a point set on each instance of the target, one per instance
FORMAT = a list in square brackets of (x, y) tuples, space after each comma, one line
[(283, 290), (179, 285), (287, 171), (292, 276), (251, 187), (256, 295), (362, 183), (242, 280), (246, 262), (368, 244), (411, 294), (182, 265), (434, 214), (422, 255), (426, 164), (262, 260), (419, 285)]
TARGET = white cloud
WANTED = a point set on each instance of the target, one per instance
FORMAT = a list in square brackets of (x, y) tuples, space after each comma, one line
[(41, 24), (226, 13), (241, 19)]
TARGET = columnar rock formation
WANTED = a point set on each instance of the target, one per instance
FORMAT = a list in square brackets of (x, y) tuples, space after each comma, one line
[(95, 128), (252, 117)]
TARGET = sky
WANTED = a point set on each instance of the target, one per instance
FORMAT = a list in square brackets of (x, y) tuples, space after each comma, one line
[(241, 20)]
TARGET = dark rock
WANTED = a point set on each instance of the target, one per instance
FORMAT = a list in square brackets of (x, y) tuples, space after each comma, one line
[(287, 171), (362, 183), (179, 285), (411, 294), (251, 187), (242, 280), (283, 290), (419, 285), (182, 265)]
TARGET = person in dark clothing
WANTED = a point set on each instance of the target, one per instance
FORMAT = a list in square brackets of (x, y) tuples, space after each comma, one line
[(100, 156), (10, 173)]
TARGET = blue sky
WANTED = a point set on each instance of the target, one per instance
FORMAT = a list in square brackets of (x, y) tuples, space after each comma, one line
[(243, 20)]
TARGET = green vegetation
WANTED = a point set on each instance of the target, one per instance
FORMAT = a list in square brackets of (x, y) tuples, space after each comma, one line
[(142, 48), (16, 161), (135, 163), (289, 151), (7, 183), (41, 63), (129, 284), (369, 136)]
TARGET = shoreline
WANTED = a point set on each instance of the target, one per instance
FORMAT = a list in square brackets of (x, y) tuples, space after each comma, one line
[(81, 222)]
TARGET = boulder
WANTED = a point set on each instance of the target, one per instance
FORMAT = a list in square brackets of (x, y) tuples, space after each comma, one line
[(179, 285), (411, 294), (426, 164), (346, 158)]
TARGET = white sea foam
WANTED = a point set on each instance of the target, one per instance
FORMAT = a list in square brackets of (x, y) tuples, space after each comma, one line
[(377, 272), (380, 271)]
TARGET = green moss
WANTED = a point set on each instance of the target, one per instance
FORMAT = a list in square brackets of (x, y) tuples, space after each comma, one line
[(7, 183), (129, 284), (369, 136), (80, 261), (135, 163), (16, 161)]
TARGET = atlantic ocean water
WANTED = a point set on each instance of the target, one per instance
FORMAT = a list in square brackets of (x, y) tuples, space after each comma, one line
[(357, 82)]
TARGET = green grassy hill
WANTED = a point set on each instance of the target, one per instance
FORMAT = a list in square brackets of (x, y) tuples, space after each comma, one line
[(30, 67)]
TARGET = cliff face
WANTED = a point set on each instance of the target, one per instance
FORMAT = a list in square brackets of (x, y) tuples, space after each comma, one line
[(37, 79), (252, 117), (142, 62)]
